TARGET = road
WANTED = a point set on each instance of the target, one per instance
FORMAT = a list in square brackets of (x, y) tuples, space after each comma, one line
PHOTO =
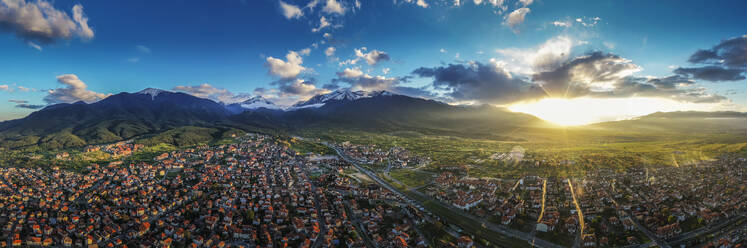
[(577, 241), (484, 223)]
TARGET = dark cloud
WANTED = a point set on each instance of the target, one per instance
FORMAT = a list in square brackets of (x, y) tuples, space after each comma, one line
[(726, 61), (712, 73), (671, 82), (577, 76), (25, 104), (642, 87), (595, 74), (485, 83), (731, 53)]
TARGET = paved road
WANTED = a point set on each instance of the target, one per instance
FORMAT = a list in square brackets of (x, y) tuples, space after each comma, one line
[(486, 224)]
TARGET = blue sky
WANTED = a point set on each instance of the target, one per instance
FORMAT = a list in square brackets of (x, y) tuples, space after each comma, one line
[(223, 49)]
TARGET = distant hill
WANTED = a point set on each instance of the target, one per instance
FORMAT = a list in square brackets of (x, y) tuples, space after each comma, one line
[(180, 119), (682, 122), (118, 117), (153, 111)]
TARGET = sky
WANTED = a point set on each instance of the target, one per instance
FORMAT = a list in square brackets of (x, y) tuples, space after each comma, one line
[(570, 62)]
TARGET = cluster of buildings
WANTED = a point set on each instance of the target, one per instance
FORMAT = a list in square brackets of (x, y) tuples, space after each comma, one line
[(116, 150), (394, 158), (254, 193), (607, 208)]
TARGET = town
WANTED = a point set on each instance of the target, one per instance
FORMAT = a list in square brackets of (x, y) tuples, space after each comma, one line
[(259, 192)]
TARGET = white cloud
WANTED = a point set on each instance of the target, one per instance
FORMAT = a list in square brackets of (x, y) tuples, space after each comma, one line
[(442, 50), (526, 2), (306, 51), (143, 49), (385, 70), (323, 23), (34, 45), (208, 91), (290, 68), (609, 45), (421, 3), (350, 73), (327, 36), (26, 89), (333, 7), (373, 57), (564, 24), (5, 88), (290, 11), (75, 90), (330, 51), (545, 57), (516, 17), (40, 21), (312, 4), (588, 22)]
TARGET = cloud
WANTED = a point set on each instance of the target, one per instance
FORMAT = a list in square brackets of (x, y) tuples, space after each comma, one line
[(5, 88), (595, 74), (143, 49), (355, 80), (208, 91), (25, 104), (34, 46), (588, 22), (526, 2), (290, 91), (726, 61), (442, 50), (75, 90), (495, 3), (421, 3), (712, 73), (290, 68), (330, 51), (323, 23), (373, 57), (333, 7), (40, 21), (481, 82), (610, 76), (290, 11), (516, 17), (362, 81), (564, 24), (585, 73), (546, 56), (299, 87)]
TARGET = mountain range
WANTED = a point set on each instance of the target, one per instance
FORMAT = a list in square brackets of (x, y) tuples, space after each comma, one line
[(153, 112)]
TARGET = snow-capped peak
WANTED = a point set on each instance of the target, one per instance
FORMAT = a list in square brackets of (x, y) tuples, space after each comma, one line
[(339, 95), (153, 92), (258, 102)]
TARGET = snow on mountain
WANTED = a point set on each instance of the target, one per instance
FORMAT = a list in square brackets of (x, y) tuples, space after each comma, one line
[(258, 102), (153, 92), (338, 95)]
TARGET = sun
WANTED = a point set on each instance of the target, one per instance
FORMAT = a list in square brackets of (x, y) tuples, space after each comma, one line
[(582, 111)]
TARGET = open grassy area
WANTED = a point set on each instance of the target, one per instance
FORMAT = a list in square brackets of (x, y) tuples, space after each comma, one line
[(304, 147), (411, 178), (557, 152)]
